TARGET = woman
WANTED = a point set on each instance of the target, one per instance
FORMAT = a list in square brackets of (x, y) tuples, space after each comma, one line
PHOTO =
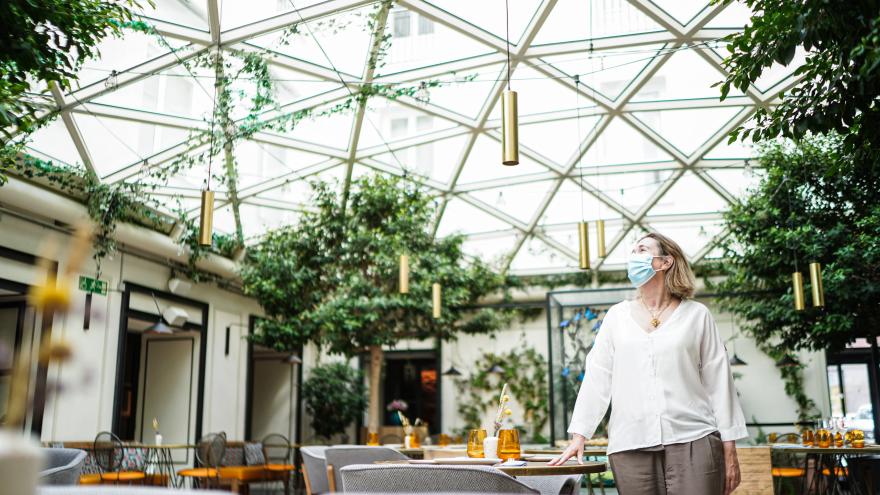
[(661, 363)]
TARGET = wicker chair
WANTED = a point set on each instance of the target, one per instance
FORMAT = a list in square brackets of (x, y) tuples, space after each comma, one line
[(63, 466), (314, 469), (554, 485), (425, 478), (339, 457)]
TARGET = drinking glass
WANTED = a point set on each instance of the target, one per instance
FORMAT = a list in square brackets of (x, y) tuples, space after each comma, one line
[(838, 439), (807, 437), (858, 439), (443, 440), (508, 445), (414, 442), (823, 438), (772, 437), (373, 439), (475, 443)]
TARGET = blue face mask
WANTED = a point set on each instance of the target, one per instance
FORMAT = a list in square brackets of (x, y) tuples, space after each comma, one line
[(639, 268)]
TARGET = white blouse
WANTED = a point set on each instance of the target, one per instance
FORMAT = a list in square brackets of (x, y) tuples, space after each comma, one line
[(672, 385)]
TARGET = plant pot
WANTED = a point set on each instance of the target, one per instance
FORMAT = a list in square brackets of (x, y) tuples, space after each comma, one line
[(21, 460), (394, 419)]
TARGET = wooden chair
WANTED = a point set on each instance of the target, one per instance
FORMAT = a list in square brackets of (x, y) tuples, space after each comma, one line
[(109, 451), (209, 456)]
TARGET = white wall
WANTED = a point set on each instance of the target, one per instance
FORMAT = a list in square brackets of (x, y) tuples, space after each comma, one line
[(86, 405)]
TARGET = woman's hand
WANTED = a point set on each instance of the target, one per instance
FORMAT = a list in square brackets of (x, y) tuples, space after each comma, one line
[(575, 448), (731, 468)]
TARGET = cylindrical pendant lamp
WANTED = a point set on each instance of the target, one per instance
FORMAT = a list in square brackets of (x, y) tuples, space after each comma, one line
[(600, 237), (404, 274), (797, 282), (584, 242), (816, 285), (206, 218), (509, 129), (435, 292)]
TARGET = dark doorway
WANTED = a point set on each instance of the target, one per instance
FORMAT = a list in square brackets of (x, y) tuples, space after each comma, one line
[(853, 388), (412, 376), (12, 313), (130, 381)]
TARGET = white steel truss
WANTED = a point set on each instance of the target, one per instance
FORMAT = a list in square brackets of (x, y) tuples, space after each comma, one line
[(622, 113)]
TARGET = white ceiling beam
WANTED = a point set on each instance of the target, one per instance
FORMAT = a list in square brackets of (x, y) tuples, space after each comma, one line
[(214, 21), (377, 39), (178, 32), (411, 142), (283, 21), (74, 132)]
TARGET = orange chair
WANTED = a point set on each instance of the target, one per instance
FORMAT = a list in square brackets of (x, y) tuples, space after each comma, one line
[(276, 452), (786, 472), (108, 451), (209, 455)]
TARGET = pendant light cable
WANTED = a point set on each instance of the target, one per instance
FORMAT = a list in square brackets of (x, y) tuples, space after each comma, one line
[(577, 105), (507, 37)]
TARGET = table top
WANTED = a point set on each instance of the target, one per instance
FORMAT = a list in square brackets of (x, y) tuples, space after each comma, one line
[(587, 451), (542, 469), (803, 449)]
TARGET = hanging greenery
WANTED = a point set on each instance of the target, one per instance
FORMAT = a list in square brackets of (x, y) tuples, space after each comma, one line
[(525, 372)]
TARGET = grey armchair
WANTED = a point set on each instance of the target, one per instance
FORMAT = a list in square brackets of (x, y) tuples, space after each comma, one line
[(554, 485), (63, 466), (341, 456), (315, 469), (425, 478)]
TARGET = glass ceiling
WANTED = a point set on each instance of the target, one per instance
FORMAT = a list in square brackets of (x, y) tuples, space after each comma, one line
[(640, 141)]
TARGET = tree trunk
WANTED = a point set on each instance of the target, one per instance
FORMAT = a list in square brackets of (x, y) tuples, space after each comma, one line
[(374, 411)]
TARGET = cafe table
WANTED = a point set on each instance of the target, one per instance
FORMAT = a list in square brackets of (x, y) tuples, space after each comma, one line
[(821, 460), (158, 460)]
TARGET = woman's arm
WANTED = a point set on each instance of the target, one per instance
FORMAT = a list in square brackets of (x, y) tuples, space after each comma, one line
[(718, 383), (593, 397)]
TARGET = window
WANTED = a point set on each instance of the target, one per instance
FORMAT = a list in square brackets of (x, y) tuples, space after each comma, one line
[(399, 127), (426, 26), (401, 24)]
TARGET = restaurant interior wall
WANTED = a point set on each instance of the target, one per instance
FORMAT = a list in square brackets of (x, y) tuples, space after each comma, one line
[(85, 406)]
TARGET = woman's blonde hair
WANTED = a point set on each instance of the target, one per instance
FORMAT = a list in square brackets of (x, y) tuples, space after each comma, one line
[(680, 281)]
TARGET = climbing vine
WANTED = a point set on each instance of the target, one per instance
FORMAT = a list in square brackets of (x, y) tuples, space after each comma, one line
[(525, 372)]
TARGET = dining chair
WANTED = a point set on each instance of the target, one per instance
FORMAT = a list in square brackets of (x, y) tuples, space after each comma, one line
[(792, 468), (109, 451), (339, 457), (314, 469), (426, 478), (209, 457), (62, 467), (276, 455), (554, 485)]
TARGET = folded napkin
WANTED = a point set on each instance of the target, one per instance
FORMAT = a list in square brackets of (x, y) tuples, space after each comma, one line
[(512, 462)]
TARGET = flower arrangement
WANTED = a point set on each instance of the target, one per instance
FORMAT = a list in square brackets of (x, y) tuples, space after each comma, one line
[(397, 405), (503, 410)]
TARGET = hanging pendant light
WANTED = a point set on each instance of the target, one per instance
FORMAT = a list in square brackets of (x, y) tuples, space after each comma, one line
[(600, 237), (797, 282), (158, 328), (451, 372), (584, 243), (787, 362), (816, 285), (206, 218), (435, 293), (292, 359), (509, 128), (404, 274), (736, 361), (509, 119)]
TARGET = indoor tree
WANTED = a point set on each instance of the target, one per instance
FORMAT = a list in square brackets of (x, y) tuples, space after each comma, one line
[(334, 398), (815, 203), (45, 42), (839, 78), (332, 278)]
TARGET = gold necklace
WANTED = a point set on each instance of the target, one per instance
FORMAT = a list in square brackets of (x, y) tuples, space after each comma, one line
[(655, 317)]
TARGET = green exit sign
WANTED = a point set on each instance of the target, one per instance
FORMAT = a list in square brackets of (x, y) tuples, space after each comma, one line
[(93, 285)]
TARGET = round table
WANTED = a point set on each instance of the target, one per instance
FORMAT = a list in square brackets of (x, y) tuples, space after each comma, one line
[(542, 469)]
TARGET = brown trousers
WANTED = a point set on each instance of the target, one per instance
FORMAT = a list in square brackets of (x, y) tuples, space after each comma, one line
[(692, 468)]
